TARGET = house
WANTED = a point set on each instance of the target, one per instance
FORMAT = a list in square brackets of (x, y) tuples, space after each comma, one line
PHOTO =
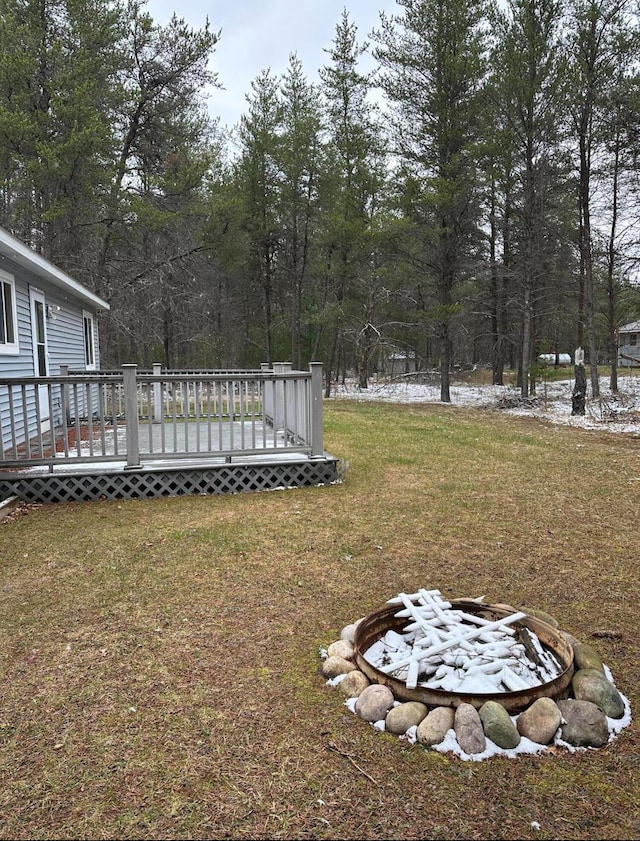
[(47, 320), (72, 432), (629, 345)]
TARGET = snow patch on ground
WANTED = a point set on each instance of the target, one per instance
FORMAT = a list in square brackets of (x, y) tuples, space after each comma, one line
[(618, 412)]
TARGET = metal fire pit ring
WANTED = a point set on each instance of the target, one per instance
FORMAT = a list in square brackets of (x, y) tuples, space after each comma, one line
[(375, 625)]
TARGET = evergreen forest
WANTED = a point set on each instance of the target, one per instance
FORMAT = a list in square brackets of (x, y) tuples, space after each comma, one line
[(472, 201)]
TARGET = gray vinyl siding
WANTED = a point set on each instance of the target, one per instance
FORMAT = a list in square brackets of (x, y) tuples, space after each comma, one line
[(65, 345), (22, 364), (65, 333), (65, 338)]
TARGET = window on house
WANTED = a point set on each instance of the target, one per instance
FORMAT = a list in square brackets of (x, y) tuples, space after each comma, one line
[(633, 339), (89, 342), (8, 317)]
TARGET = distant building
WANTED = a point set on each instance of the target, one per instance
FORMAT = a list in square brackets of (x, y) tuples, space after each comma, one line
[(397, 362), (629, 345), (563, 359)]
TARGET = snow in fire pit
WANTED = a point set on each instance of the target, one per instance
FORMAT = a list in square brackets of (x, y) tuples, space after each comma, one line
[(438, 647), (451, 649)]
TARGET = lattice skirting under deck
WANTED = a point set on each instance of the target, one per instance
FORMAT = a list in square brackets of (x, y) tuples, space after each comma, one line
[(148, 483)]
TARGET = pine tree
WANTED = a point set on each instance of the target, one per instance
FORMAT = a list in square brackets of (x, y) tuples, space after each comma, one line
[(58, 65), (300, 161), (432, 72), (353, 181), (260, 137), (528, 61)]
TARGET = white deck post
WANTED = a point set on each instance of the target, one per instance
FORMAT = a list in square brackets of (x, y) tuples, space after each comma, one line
[(64, 397), (158, 409), (268, 394), (317, 444), (279, 418), (131, 415)]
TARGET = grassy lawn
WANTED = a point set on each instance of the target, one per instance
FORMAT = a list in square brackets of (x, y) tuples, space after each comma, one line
[(159, 659)]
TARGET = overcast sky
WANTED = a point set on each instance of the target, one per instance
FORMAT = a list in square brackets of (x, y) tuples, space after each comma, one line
[(261, 34)]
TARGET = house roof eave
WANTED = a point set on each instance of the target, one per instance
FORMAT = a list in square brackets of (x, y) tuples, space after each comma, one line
[(15, 250)]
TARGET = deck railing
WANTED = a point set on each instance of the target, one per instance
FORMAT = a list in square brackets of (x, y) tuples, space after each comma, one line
[(134, 416)]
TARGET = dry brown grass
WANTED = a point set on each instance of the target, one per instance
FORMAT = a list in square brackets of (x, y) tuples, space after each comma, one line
[(160, 658)]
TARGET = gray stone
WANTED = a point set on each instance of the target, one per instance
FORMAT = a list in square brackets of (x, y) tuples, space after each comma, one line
[(349, 631), (540, 721), (586, 657), (498, 725), (468, 727), (374, 702), (334, 666), (341, 648), (353, 684), (584, 725), (433, 728), (592, 685), (401, 718), (573, 641)]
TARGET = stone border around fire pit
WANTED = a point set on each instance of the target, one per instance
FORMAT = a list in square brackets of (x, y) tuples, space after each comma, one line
[(591, 712)]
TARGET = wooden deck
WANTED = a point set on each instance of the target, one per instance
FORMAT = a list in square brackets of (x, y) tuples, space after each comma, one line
[(129, 435)]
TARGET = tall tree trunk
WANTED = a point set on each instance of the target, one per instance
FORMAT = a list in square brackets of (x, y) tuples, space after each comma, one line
[(497, 298), (445, 363), (294, 282), (586, 256), (445, 287), (578, 397), (611, 256), (526, 339), (267, 287), (167, 332)]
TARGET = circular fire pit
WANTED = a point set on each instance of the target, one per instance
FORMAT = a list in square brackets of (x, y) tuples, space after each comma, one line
[(473, 678), (374, 626)]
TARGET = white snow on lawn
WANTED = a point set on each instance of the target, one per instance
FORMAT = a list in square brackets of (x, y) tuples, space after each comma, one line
[(552, 402)]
